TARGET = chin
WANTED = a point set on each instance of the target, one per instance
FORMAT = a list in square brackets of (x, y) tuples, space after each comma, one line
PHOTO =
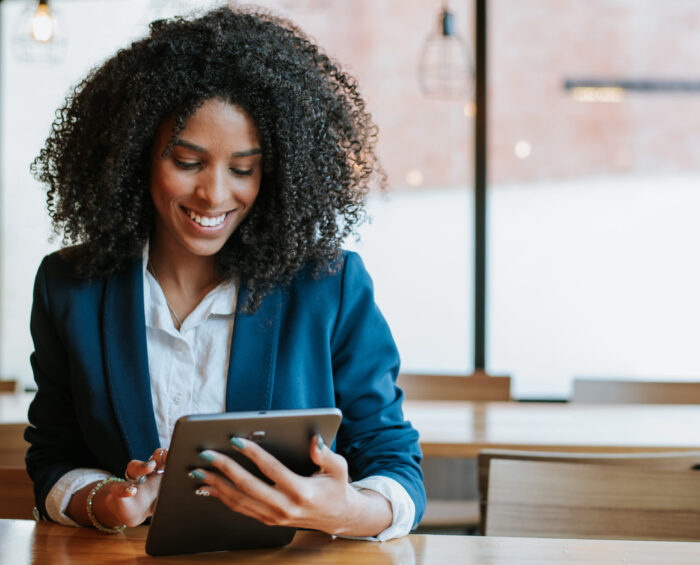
[(205, 250)]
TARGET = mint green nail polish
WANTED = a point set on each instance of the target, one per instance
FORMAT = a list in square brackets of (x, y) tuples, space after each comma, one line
[(319, 442), (196, 475), (208, 457), (237, 443)]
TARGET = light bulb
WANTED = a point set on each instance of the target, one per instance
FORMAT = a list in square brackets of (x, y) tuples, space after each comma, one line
[(42, 24)]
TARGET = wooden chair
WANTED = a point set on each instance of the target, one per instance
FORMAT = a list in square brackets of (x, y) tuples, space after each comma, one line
[(452, 497), (16, 494), (477, 387), (573, 500), (602, 391), (675, 461)]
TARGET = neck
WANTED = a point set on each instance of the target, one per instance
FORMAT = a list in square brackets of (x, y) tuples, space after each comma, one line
[(182, 272)]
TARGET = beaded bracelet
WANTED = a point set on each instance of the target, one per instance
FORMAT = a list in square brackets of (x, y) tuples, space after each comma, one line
[(91, 514)]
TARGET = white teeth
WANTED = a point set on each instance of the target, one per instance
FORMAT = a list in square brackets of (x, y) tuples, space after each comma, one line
[(206, 221)]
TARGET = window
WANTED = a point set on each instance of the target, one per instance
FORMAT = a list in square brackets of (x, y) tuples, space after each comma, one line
[(593, 205)]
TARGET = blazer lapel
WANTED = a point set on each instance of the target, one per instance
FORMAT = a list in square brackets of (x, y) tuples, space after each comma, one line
[(126, 360), (253, 357)]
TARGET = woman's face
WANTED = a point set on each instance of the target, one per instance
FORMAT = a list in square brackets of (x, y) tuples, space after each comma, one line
[(205, 187)]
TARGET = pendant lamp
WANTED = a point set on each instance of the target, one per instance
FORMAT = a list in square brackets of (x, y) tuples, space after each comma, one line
[(445, 69), (37, 37)]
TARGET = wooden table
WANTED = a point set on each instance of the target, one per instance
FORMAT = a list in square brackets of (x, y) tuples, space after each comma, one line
[(23, 542), (462, 429)]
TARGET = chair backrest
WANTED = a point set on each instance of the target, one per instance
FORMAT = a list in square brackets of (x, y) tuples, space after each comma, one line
[(571, 500), (16, 494), (477, 387), (450, 483), (676, 461), (641, 392)]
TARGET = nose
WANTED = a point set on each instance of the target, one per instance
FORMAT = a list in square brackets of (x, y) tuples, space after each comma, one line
[(214, 188)]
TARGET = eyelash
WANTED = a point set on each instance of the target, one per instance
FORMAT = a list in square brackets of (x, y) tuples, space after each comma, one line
[(187, 166)]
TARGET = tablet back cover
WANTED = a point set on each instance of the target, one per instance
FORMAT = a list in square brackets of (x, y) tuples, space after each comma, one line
[(186, 523)]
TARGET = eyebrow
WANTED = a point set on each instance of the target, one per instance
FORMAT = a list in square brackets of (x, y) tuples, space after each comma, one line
[(198, 149)]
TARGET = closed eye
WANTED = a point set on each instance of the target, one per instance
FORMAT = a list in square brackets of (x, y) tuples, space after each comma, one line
[(186, 164), (241, 172)]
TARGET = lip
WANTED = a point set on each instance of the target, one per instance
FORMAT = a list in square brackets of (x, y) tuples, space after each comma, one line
[(206, 230)]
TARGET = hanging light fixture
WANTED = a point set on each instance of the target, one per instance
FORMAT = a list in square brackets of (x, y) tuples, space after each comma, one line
[(445, 69), (37, 38)]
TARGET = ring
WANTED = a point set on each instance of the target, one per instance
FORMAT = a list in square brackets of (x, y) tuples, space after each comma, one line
[(139, 481)]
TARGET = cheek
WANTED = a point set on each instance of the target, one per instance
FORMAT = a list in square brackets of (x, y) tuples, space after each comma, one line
[(249, 193), (165, 186)]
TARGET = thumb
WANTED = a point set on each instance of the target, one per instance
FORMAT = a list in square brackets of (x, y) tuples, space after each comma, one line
[(330, 463)]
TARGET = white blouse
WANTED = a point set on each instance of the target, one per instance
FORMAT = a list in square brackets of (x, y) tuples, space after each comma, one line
[(188, 370)]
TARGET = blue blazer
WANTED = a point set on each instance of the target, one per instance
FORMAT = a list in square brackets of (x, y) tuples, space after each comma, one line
[(317, 342)]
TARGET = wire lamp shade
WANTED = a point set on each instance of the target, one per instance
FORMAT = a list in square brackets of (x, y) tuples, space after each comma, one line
[(445, 69), (37, 38)]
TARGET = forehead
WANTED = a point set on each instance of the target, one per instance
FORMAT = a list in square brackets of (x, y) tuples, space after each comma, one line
[(216, 123)]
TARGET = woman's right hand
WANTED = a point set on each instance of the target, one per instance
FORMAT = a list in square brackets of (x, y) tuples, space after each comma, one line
[(122, 502), (131, 503)]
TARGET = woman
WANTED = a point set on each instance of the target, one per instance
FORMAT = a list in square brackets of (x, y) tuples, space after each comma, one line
[(208, 174)]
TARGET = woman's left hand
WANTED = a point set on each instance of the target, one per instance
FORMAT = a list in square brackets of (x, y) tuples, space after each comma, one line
[(325, 501)]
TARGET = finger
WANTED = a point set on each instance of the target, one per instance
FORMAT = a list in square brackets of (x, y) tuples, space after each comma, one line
[(159, 457), (269, 465), (330, 463), (242, 479), (241, 503), (136, 468)]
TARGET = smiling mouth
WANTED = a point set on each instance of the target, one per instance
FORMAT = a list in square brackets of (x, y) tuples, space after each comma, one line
[(206, 221)]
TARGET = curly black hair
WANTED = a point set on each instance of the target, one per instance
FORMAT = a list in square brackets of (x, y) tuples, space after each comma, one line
[(318, 144)]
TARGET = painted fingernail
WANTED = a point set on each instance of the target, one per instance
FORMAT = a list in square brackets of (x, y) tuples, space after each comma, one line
[(131, 491), (237, 443), (208, 457), (201, 492), (196, 475), (319, 442)]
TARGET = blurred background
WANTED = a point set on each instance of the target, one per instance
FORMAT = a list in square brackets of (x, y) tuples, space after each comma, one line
[(592, 193)]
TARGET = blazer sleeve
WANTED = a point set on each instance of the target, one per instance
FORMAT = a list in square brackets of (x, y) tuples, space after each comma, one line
[(374, 438), (56, 441)]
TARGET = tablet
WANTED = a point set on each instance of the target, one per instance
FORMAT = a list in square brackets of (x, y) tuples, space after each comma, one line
[(186, 523)]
